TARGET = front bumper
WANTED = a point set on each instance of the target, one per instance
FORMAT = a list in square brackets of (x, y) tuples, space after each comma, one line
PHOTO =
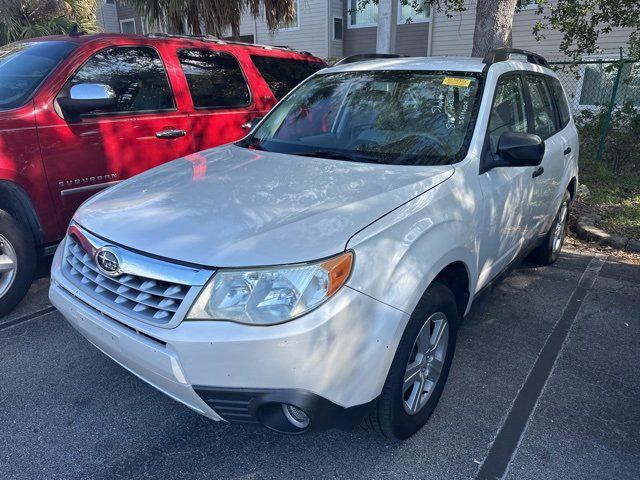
[(331, 362)]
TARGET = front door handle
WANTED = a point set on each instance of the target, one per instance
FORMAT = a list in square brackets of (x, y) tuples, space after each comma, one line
[(171, 133), (567, 150), (537, 172)]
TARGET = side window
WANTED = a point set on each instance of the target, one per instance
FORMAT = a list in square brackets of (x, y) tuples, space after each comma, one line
[(561, 101), (508, 113), (283, 74), (136, 75), (215, 79), (544, 123)]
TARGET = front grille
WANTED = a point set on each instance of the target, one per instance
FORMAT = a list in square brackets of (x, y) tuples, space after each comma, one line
[(146, 299)]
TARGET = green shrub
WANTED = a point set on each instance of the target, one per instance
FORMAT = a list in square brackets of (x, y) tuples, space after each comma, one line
[(621, 150)]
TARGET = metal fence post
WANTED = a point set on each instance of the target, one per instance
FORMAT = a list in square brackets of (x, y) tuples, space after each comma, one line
[(606, 122)]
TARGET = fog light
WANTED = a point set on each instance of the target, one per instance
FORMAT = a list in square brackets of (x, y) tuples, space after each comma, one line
[(296, 416)]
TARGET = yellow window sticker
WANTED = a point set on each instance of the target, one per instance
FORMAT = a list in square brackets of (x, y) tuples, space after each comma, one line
[(456, 82)]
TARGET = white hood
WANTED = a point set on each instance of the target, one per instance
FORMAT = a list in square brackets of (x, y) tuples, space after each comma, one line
[(231, 207)]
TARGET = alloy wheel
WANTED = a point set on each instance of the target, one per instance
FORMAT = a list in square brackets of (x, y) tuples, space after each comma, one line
[(559, 230), (425, 363), (8, 265)]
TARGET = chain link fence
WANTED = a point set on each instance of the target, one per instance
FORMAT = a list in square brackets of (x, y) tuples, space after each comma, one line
[(604, 96)]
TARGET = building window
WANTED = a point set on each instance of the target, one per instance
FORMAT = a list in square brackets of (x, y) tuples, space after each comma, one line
[(337, 28), (362, 16), (367, 16), (110, 2), (295, 23), (128, 26), (409, 14)]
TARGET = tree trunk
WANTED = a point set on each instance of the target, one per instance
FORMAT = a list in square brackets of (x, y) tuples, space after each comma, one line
[(494, 22), (235, 31)]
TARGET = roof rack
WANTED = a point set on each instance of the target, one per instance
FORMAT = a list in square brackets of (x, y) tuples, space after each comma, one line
[(361, 57), (221, 41), (502, 54), (76, 31)]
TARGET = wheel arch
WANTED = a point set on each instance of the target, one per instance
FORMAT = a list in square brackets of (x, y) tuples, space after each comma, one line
[(15, 201), (455, 276), (573, 188)]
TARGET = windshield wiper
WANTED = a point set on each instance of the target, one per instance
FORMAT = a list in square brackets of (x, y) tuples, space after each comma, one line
[(333, 155), (254, 144)]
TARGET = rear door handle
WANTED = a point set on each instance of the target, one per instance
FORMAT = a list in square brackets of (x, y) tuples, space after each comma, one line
[(537, 172), (567, 150), (171, 133)]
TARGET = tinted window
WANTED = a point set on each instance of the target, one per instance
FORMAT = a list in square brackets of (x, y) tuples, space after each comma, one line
[(402, 118), (23, 67), (283, 74), (561, 101), (215, 79), (544, 123), (136, 75), (508, 113)]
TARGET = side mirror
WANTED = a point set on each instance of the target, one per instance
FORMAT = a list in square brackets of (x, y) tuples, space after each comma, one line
[(251, 124), (518, 150), (85, 97)]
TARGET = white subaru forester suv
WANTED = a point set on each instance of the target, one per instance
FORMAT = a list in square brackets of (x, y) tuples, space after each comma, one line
[(315, 273)]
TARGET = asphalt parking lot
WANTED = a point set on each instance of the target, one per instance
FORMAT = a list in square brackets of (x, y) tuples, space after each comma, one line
[(545, 384)]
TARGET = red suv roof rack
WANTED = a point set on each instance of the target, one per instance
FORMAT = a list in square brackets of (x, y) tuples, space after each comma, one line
[(222, 41)]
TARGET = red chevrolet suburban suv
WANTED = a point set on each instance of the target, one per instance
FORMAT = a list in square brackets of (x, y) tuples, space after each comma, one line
[(80, 113)]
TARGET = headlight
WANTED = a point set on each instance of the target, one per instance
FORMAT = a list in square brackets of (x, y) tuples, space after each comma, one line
[(266, 296)]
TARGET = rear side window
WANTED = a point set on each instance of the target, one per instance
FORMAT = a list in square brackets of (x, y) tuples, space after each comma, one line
[(283, 74), (136, 74), (215, 79), (24, 66), (561, 101), (508, 113), (544, 123)]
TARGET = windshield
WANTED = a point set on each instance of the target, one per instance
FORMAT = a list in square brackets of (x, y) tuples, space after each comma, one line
[(23, 67), (405, 118)]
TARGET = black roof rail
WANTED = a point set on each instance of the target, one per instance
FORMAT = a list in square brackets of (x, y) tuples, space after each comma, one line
[(76, 31), (361, 57), (502, 54)]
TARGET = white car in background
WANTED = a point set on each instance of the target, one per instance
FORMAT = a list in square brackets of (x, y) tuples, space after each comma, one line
[(316, 272)]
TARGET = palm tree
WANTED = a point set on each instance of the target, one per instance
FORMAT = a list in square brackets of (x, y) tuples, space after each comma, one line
[(34, 18), (215, 17)]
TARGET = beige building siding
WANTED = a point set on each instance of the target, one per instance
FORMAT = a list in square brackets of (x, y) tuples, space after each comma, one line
[(549, 47), (336, 47), (107, 16), (411, 38), (311, 34), (126, 12), (454, 36)]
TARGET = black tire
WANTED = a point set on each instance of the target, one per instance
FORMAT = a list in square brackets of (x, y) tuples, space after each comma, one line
[(545, 253), (23, 245), (389, 416)]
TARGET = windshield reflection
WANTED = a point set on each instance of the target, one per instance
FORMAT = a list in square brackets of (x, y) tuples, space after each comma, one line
[(394, 117)]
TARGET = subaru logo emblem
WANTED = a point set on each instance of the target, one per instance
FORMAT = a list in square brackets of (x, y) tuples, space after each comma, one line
[(108, 262)]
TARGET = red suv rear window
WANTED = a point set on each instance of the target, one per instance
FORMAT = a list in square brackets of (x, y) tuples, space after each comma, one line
[(283, 74)]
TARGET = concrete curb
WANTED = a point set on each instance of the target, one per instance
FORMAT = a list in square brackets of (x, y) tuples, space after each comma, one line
[(586, 229)]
